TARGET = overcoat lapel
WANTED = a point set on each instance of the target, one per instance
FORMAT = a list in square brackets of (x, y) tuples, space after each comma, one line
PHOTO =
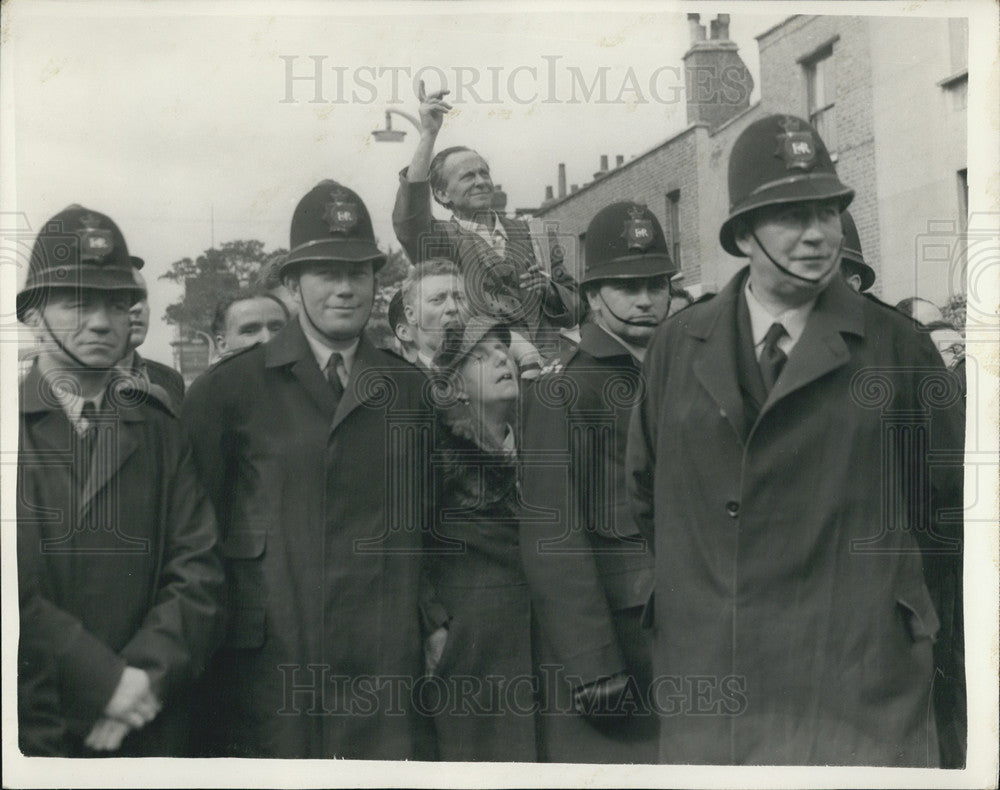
[(290, 348), (821, 348), (363, 383), (714, 362), (118, 438)]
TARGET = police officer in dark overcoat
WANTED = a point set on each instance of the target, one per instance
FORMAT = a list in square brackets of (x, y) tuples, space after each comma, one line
[(780, 464), (310, 448), (117, 553), (590, 571)]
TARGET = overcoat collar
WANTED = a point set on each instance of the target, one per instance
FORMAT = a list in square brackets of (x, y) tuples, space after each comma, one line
[(599, 344), (52, 429), (289, 348), (820, 350)]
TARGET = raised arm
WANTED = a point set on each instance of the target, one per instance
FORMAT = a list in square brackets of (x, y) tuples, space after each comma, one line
[(411, 216)]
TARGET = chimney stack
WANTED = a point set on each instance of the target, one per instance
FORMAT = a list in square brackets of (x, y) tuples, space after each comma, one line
[(548, 194), (717, 82), (696, 28), (573, 189), (604, 167), (499, 203), (562, 180), (619, 160)]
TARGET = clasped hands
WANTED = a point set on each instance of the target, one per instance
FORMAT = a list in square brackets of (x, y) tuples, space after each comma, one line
[(131, 707)]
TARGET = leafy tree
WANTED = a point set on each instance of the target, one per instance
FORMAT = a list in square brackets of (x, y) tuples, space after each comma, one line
[(210, 277), (218, 272)]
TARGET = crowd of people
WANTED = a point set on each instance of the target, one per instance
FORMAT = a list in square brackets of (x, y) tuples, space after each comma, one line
[(594, 521)]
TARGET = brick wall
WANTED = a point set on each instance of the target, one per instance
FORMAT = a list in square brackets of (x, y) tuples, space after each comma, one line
[(647, 179)]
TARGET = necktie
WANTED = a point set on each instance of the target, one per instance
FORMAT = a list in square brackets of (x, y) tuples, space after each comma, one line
[(333, 376), (772, 358), (88, 436)]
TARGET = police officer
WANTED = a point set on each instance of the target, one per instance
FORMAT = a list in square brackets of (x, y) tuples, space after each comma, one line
[(154, 372), (116, 538), (309, 446), (859, 275), (589, 570), (790, 599)]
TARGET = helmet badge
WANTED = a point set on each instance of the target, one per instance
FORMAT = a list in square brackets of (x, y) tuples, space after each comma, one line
[(96, 243), (638, 231), (342, 213), (796, 146)]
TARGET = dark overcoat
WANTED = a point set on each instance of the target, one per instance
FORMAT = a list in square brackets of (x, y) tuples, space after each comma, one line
[(589, 569), (793, 621), (487, 709), (320, 507), (120, 553), (163, 376)]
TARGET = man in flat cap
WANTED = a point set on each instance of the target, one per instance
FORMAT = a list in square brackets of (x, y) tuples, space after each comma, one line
[(120, 580), (310, 446), (804, 546)]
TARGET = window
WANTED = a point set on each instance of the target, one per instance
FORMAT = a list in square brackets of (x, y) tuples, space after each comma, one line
[(674, 226), (821, 93)]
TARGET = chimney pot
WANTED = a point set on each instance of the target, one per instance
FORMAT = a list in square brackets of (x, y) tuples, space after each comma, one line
[(562, 180), (696, 28), (548, 193), (573, 189), (619, 160), (723, 27), (604, 161)]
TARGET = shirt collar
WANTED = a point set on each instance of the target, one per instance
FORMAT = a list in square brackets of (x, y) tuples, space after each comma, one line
[(323, 352), (636, 351), (72, 403), (426, 361), (474, 226), (793, 319)]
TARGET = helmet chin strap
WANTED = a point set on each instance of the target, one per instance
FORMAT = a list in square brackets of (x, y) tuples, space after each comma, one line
[(623, 320), (62, 347), (790, 273)]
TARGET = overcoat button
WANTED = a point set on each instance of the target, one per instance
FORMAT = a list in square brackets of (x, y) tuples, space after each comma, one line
[(733, 509)]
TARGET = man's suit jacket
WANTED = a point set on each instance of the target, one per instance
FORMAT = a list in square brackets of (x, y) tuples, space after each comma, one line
[(491, 282), (789, 568)]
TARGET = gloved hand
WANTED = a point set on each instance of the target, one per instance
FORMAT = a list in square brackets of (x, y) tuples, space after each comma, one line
[(605, 698)]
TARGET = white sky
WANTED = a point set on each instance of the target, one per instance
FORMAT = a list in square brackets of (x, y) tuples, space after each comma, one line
[(156, 113)]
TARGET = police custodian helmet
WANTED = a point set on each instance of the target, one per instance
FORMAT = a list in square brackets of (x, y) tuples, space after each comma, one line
[(331, 223), (625, 240), (79, 248), (851, 255), (778, 159)]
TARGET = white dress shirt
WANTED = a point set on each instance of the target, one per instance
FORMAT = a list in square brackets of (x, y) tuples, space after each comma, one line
[(793, 320)]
